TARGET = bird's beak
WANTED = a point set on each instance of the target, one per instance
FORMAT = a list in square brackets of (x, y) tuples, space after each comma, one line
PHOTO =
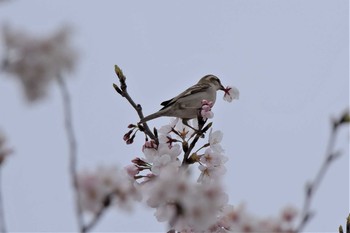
[(222, 87)]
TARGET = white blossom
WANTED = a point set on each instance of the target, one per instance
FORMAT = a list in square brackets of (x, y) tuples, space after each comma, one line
[(160, 163), (150, 153), (206, 109), (166, 129), (106, 184), (188, 206), (132, 170), (237, 219), (212, 158), (183, 132), (215, 139), (153, 154), (231, 93), (211, 173)]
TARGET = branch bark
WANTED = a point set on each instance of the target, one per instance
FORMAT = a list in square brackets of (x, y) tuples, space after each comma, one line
[(312, 187), (72, 143), (124, 93)]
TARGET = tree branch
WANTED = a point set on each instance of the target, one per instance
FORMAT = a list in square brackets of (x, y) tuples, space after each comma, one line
[(124, 93), (312, 187), (199, 133), (105, 204), (68, 123)]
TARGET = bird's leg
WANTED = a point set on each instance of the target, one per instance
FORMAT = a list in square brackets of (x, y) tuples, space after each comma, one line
[(185, 122), (196, 131)]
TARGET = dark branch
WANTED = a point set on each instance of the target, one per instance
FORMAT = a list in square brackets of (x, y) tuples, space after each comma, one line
[(105, 204), (68, 123), (199, 133), (124, 93), (312, 187)]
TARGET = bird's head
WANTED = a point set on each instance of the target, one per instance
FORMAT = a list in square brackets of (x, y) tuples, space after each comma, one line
[(212, 80)]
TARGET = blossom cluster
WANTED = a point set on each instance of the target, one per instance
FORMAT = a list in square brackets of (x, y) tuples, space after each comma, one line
[(191, 205), (206, 109), (104, 187), (187, 204), (37, 61), (237, 219)]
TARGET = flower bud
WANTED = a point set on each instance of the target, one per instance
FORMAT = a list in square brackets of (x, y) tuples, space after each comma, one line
[(127, 135), (130, 140)]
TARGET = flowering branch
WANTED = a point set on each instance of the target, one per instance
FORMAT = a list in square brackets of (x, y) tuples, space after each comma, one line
[(124, 93), (37, 62), (68, 123), (102, 188), (199, 134), (186, 204), (331, 155)]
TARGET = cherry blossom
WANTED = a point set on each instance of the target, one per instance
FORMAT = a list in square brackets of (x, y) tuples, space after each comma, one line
[(206, 109), (186, 205), (231, 93), (132, 170), (152, 154), (211, 173), (237, 219), (212, 158), (214, 140), (106, 185), (176, 130)]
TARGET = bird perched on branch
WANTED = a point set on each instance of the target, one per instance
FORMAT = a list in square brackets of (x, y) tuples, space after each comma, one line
[(187, 104)]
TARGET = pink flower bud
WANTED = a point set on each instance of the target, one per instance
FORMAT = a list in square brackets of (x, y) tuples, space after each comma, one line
[(149, 145), (132, 170), (127, 135), (139, 162), (206, 108), (205, 102)]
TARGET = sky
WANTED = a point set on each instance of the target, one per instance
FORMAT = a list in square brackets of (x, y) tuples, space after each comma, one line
[(289, 59)]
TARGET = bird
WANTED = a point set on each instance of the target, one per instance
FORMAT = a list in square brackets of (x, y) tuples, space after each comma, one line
[(187, 104)]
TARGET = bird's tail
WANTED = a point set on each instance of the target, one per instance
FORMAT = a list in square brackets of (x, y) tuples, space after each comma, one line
[(152, 116)]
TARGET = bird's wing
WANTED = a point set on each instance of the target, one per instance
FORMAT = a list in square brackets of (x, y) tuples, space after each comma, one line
[(199, 87)]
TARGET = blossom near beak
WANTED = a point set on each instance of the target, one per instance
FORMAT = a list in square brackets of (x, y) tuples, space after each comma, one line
[(222, 87)]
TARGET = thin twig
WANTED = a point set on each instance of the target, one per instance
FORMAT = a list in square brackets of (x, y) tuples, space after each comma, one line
[(190, 148), (199, 134), (72, 142), (138, 109), (105, 204), (311, 187), (95, 220), (2, 212), (123, 92)]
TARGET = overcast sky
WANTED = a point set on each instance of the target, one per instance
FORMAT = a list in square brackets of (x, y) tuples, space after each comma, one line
[(289, 60)]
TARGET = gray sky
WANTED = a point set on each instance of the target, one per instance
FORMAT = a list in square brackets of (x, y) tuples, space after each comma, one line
[(289, 60)]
